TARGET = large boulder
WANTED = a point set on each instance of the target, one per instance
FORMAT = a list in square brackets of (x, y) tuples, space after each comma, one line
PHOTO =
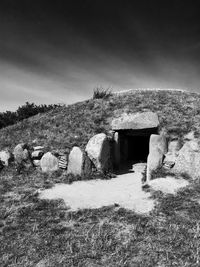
[(5, 157), (157, 149), (22, 157), (21, 154), (143, 120), (98, 150), (49, 162), (75, 161), (188, 160)]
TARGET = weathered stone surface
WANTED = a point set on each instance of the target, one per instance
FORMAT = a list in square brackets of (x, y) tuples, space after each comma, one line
[(188, 160), (87, 166), (171, 155), (49, 162), (157, 142), (38, 148), (144, 120), (189, 136), (169, 160), (22, 157), (75, 161), (116, 150), (37, 154), (36, 162), (5, 157), (173, 146), (157, 149), (21, 153), (98, 150), (154, 161)]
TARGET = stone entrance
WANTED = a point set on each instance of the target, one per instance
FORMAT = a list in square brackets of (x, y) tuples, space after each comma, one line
[(131, 138)]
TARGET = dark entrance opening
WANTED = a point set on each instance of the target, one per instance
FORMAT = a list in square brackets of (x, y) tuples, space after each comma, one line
[(138, 148), (133, 147)]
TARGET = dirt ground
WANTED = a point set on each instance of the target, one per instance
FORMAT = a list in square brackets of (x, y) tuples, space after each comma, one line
[(125, 190)]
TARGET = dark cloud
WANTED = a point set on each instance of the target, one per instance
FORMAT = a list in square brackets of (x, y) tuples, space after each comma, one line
[(60, 50)]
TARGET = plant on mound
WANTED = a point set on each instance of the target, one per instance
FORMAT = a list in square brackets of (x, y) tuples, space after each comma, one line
[(99, 92), (23, 112)]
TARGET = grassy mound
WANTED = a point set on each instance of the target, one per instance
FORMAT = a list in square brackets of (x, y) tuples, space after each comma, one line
[(61, 128), (36, 232)]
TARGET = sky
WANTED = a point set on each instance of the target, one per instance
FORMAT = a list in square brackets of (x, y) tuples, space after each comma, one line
[(59, 51)]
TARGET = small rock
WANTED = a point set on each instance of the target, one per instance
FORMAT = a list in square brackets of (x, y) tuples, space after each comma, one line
[(37, 154), (5, 157), (38, 148), (75, 161), (49, 162), (36, 162)]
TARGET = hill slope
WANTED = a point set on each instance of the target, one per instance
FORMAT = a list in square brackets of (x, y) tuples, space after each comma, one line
[(62, 127), (39, 232)]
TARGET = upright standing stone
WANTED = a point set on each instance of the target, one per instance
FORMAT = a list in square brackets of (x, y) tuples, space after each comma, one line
[(116, 149), (49, 162), (157, 149), (157, 142), (75, 161), (98, 150)]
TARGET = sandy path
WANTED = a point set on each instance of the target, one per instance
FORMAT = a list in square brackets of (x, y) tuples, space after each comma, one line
[(124, 190)]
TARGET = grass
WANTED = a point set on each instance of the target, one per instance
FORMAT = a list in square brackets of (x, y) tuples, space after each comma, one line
[(63, 127), (40, 233), (34, 231), (99, 93)]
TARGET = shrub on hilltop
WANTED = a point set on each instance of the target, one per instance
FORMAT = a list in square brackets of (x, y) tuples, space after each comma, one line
[(23, 112), (99, 92)]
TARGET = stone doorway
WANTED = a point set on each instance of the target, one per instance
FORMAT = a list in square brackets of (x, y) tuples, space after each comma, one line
[(133, 147), (131, 139)]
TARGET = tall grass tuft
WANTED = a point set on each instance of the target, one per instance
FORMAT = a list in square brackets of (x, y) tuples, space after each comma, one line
[(100, 93)]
